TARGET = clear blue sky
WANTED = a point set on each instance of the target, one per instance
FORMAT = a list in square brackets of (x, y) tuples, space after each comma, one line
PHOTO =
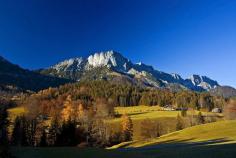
[(182, 36)]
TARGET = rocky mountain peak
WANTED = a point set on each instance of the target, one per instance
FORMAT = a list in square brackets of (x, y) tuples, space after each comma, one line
[(75, 69), (203, 81), (72, 64), (109, 59)]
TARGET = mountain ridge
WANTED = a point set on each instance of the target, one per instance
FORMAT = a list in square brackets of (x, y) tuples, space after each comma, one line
[(14, 75), (75, 68)]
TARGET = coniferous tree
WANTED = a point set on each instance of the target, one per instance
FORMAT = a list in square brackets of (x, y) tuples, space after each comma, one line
[(43, 139), (16, 138), (67, 137), (4, 149)]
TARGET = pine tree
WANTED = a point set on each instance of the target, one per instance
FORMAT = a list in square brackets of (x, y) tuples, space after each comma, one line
[(43, 139), (126, 128), (4, 150), (67, 135), (16, 138)]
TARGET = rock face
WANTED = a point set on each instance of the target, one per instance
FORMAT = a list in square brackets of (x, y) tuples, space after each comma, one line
[(203, 81), (225, 91), (70, 65), (109, 59), (113, 61)]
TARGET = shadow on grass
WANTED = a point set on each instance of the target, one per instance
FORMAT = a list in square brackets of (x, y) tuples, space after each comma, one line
[(185, 149), (132, 114), (167, 149)]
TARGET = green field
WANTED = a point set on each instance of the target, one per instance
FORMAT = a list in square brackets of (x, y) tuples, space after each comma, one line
[(222, 132), (137, 114), (209, 140), (140, 113)]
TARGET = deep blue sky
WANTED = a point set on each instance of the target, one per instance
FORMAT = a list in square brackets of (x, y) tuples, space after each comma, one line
[(182, 36)]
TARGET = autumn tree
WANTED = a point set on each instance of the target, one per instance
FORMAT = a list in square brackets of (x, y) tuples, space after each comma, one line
[(200, 118), (151, 129), (53, 132), (183, 112), (230, 110), (126, 128), (148, 129), (179, 123), (104, 107), (192, 117), (99, 133), (67, 109), (206, 101)]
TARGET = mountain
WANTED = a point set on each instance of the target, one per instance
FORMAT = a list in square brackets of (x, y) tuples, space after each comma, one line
[(112, 65), (15, 76), (225, 91)]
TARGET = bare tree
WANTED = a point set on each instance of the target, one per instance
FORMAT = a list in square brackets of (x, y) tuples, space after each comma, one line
[(104, 108), (230, 110)]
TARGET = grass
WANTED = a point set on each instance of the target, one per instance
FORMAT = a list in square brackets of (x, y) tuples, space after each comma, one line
[(209, 140), (140, 113), (14, 112), (152, 112), (222, 130), (57, 152), (189, 151), (137, 114)]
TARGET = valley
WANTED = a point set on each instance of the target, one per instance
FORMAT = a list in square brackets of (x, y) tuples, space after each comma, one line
[(117, 79)]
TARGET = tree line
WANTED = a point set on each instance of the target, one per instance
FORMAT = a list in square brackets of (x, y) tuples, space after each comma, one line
[(126, 95), (76, 124)]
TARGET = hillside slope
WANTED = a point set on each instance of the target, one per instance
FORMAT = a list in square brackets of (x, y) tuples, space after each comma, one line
[(14, 75), (222, 132)]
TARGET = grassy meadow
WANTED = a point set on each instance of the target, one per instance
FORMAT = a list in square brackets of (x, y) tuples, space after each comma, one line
[(137, 114), (207, 140), (221, 132), (154, 113)]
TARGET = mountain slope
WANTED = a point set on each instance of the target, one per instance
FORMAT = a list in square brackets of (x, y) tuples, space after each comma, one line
[(13, 75), (225, 91), (77, 68)]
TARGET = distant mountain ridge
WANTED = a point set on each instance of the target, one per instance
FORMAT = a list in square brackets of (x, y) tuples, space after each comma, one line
[(114, 62), (14, 75)]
